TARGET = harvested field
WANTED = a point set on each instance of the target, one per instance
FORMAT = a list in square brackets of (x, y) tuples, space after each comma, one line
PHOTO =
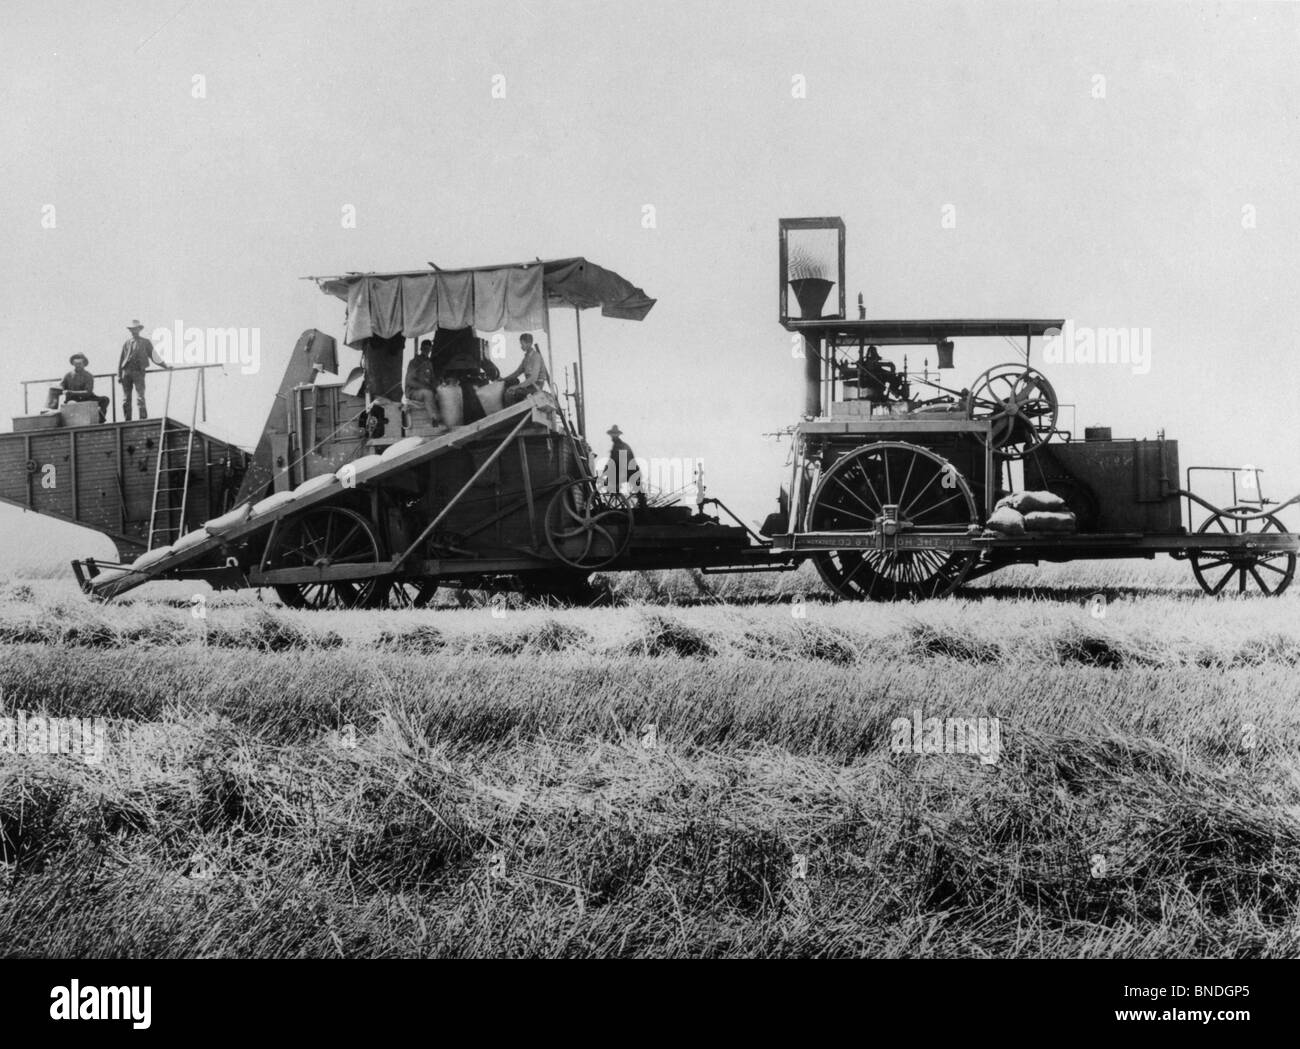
[(673, 774)]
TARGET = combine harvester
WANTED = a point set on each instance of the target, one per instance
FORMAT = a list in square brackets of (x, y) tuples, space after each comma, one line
[(893, 495), (331, 516)]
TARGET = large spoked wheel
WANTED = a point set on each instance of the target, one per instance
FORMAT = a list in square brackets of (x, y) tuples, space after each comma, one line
[(1020, 403), (327, 536), (931, 496), (587, 528), (1242, 571)]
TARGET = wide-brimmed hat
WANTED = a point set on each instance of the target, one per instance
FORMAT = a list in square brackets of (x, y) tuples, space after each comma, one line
[(614, 431), (134, 326), (78, 357)]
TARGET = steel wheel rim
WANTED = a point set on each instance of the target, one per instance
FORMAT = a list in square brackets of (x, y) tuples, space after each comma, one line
[(851, 495), (1219, 572), (329, 535), (1022, 405)]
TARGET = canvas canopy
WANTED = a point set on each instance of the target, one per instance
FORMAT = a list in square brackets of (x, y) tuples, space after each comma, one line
[(488, 298)]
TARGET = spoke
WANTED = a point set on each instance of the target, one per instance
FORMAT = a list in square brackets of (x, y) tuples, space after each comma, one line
[(1259, 579), (906, 511), (873, 580), (312, 539), (342, 544), (859, 500), (937, 506), (613, 546), (911, 465), (841, 510), (861, 465), (289, 551), (846, 580), (1218, 587)]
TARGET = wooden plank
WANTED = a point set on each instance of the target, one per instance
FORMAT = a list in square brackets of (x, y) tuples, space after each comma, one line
[(72, 442)]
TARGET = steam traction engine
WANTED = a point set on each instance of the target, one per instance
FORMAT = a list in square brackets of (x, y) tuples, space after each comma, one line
[(897, 477)]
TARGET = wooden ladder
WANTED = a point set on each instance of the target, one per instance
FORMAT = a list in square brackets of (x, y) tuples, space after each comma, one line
[(160, 534)]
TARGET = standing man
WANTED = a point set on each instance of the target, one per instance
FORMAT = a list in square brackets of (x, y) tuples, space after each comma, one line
[(624, 468), (420, 381), (79, 384), (137, 354)]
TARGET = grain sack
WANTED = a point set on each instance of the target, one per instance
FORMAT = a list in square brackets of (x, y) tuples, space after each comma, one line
[(1033, 502), (1041, 521), (1006, 521)]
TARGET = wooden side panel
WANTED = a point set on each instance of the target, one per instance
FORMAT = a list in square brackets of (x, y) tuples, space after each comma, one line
[(13, 468), (99, 499), (105, 474), (139, 461), (329, 436), (52, 484), (493, 517)]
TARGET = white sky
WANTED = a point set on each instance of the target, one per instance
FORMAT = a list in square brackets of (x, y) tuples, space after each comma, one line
[(1117, 211)]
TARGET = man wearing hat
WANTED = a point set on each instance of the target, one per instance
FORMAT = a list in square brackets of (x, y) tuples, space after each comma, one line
[(79, 384), (623, 468), (137, 354)]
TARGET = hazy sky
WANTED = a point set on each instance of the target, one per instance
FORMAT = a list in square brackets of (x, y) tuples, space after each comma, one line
[(1121, 210)]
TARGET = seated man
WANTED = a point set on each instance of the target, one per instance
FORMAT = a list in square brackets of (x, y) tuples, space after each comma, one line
[(420, 381), (79, 384), (531, 376), (879, 378)]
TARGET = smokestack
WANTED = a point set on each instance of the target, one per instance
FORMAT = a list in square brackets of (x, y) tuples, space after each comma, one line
[(812, 376), (811, 294)]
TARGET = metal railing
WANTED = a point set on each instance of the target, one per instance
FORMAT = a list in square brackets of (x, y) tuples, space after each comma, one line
[(202, 391)]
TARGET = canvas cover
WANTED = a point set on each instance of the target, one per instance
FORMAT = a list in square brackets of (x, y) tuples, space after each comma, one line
[(513, 298)]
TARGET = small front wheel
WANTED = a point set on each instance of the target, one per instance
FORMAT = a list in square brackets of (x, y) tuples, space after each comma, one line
[(1242, 571)]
